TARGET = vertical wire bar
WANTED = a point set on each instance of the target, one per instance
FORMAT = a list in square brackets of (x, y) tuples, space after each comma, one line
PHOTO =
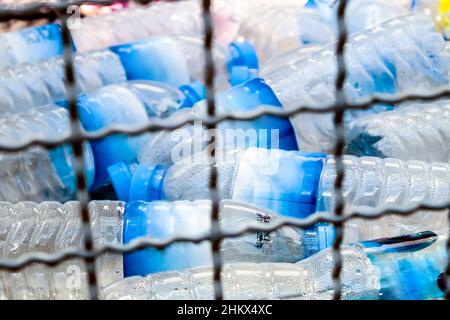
[(77, 145), (211, 106), (338, 151)]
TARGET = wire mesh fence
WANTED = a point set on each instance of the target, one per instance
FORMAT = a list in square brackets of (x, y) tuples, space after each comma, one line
[(52, 11)]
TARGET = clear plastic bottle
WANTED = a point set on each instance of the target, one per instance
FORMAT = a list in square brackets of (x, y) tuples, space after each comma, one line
[(30, 45), (392, 268), (297, 184), (168, 18), (36, 174), (177, 60), (365, 14), (280, 29), (168, 147), (362, 14), (163, 220), (131, 104), (399, 56), (417, 131), (32, 85), (50, 227)]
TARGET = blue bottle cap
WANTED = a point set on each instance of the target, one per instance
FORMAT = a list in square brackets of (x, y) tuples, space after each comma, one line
[(240, 74), (194, 92), (147, 183), (253, 94), (242, 53), (120, 175)]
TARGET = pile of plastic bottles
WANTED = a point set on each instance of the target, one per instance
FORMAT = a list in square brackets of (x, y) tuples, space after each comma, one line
[(144, 66)]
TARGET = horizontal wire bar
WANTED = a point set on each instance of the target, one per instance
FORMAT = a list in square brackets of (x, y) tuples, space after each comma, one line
[(142, 243), (166, 124)]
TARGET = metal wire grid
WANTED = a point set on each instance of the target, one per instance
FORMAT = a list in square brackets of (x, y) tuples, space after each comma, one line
[(89, 253)]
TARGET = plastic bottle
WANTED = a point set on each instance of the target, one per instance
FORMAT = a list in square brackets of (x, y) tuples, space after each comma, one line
[(399, 56), (31, 85), (168, 18), (30, 45), (174, 61), (167, 147), (280, 29), (294, 183), (36, 174), (407, 268), (50, 227), (177, 60), (163, 220), (418, 131), (361, 14), (131, 104), (365, 14)]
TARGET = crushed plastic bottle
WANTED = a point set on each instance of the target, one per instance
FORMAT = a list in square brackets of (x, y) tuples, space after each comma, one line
[(36, 174), (294, 183), (280, 29), (405, 268), (50, 227), (27, 86), (414, 131), (30, 45), (161, 220), (399, 56)]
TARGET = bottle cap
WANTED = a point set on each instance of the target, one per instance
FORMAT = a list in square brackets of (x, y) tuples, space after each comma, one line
[(146, 183), (120, 176), (194, 92), (255, 93), (242, 53), (240, 74)]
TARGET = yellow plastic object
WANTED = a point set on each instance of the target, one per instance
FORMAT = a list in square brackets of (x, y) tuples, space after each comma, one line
[(443, 17)]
